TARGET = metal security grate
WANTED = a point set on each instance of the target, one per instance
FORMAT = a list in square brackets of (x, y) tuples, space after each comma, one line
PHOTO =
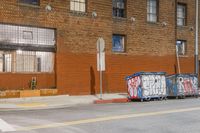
[(26, 49)]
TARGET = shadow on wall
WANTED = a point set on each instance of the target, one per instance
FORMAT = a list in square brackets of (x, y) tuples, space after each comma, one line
[(92, 81)]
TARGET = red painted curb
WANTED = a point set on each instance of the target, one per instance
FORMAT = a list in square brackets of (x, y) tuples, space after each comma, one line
[(117, 100), (120, 100), (102, 101)]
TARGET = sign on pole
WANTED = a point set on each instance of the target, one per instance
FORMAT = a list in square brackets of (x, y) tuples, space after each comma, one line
[(100, 54), (100, 61)]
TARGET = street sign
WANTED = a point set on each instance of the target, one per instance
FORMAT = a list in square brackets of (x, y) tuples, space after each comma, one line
[(100, 54), (100, 61)]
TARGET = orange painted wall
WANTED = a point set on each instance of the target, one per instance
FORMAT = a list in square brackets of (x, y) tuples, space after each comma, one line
[(77, 74), (22, 81)]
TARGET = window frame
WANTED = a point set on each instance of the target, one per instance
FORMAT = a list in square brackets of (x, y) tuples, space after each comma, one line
[(184, 18), (118, 9), (122, 49), (78, 1), (183, 44), (29, 3), (149, 13)]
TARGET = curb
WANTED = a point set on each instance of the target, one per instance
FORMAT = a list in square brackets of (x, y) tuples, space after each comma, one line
[(116, 100)]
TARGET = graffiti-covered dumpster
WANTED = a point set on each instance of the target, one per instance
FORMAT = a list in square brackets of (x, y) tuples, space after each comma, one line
[(181, 85), (146, 85)]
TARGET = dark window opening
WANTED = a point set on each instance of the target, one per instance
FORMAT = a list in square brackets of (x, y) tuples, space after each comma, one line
[(119, 8)]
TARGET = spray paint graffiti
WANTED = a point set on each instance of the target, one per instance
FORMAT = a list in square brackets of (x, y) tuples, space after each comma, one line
[(133, 85), (154, 85), (146, 85), (182, 85)]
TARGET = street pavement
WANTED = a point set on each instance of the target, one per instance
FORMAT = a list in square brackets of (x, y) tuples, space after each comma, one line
[(168, 116)]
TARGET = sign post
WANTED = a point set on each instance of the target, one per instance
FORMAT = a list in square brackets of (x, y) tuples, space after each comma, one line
[(100, 61)]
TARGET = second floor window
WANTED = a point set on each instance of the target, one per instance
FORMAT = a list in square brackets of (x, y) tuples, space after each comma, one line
[(31, 2), (78, 5), (119, 9), (181, 14), (152, 10)]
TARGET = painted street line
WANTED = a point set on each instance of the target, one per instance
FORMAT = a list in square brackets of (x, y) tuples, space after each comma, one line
[(5, 127), (31, 105), (109, 118)]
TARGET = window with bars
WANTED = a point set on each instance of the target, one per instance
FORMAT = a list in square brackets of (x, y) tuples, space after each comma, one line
[(26, 49), (181, 47), (181, 14), (26, 61), (31, 2), (152, 10), (119, 8), (78, 5)]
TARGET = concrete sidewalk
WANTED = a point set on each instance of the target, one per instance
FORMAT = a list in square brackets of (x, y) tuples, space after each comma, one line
[(54, 101)]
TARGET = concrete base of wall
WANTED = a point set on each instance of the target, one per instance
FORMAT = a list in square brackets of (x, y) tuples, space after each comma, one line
[(30, 93), (27, 93)]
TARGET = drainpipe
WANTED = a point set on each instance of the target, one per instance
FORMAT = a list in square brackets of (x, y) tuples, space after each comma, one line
[(196, 39)]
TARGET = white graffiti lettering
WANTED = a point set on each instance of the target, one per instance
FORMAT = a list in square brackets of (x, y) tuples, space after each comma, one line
[(187, 85), (153, 85)]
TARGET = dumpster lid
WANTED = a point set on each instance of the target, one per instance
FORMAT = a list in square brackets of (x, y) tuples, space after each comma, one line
[(183, 75), (145, 73)]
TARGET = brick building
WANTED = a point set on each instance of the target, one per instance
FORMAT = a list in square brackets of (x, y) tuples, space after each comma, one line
[(55, 41)]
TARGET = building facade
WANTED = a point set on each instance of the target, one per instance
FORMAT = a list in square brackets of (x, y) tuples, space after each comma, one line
[(54, 41)]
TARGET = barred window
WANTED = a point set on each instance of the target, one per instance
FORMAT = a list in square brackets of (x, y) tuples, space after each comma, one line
[(181, 14), (78, 5), (26, 61), (152, 10), (32, 2), (26, 49), (119, 9)]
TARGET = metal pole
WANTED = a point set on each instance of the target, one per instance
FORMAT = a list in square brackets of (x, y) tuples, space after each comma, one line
[(178, 62), (100, 72), (196, 39), (100, 84)]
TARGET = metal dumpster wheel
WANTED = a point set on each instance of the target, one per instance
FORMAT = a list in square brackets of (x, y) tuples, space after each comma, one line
[(148, 99)]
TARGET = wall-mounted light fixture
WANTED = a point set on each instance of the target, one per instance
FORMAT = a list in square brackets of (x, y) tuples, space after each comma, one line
[(48, 7), (94, 14), (191, 28), (133, 19), (164, 24)]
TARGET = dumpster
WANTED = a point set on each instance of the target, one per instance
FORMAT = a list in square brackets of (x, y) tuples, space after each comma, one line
[(181, 85), (146, 85)]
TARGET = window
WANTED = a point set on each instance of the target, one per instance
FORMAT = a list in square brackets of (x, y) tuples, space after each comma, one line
[(26, 61), (181, 47), (5, 61), (118, 43), (31, 2), (78, 5), (181, 14), (26, 49), (119, 8), (152, 10)]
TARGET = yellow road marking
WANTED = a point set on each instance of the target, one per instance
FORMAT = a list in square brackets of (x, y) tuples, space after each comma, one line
[(109, 118), (28, 105)]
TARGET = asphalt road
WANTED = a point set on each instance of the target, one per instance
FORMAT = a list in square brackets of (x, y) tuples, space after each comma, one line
[(171, 116)]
